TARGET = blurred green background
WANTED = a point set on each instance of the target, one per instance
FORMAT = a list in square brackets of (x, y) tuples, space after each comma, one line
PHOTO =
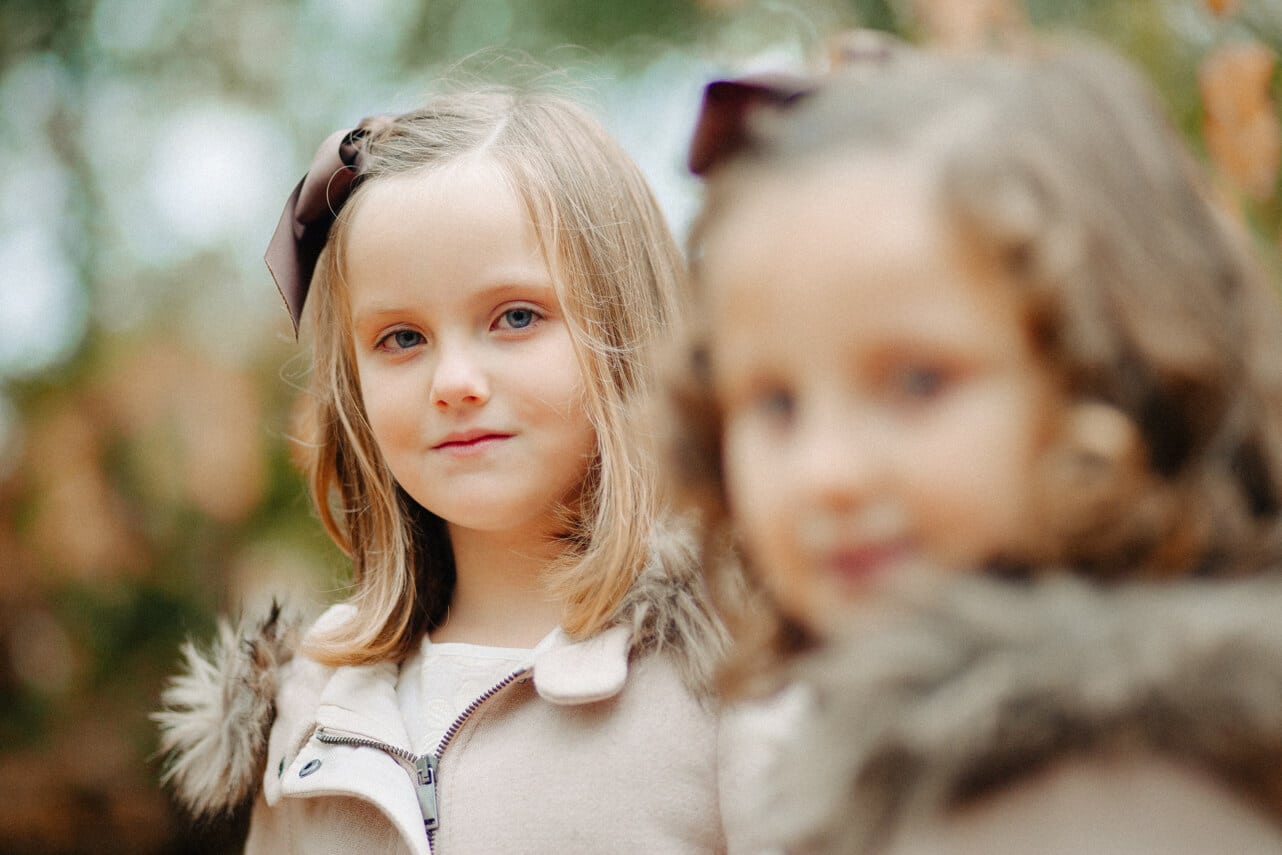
[(147, 369)]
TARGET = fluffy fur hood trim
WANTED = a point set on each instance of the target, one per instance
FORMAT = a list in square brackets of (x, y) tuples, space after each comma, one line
[(968, 688), (668, 611), (218, 712)]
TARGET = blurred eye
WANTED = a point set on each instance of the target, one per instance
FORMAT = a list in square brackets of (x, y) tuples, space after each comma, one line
[(921, 382), (518, 319), (777, 404), (401, 340)]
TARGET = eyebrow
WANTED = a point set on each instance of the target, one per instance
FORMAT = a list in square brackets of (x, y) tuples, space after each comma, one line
[(516, 285), (511, 288)]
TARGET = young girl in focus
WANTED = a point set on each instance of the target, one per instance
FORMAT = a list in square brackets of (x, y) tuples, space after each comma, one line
[(521, 664), (977, 313)]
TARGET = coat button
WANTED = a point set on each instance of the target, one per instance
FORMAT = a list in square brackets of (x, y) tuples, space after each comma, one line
[(310, 767)]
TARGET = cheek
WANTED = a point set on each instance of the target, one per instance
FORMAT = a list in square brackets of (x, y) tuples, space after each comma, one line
[(985, 500), (549, 378), (582, 442), (743, 461), (385, 408), (765, 523), (383, 422), (554, 395), (757, 496)]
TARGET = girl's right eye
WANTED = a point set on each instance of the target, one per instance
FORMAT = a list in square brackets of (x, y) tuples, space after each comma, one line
[(400, 340)]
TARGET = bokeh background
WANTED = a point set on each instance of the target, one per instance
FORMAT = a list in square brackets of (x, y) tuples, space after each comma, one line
[(147, 370)]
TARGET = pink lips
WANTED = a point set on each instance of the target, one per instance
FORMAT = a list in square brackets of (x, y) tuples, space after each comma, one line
[(857, 566), (470, 442)]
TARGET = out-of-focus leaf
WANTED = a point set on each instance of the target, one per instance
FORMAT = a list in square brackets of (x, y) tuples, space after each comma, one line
[(216, 460), (967, 23), (1241, 124), (82, 524)]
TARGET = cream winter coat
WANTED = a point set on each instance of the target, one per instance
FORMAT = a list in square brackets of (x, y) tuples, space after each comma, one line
[(606, 745)]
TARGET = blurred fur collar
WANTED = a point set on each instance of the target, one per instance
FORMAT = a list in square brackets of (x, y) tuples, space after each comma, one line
[(964, 688), (218, 711)]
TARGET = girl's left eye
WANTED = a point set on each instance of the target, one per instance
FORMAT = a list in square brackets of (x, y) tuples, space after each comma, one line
[(518, 319)]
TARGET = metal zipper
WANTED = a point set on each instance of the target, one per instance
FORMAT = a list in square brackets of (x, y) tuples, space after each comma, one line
[(457, 725), (424, 765), (424, 770), (454, 728)]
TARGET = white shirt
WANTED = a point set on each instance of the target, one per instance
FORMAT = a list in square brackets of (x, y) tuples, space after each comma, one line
[(438, 681)]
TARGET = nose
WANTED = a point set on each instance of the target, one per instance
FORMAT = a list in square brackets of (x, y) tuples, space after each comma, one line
[(842, 460), (459, 378)]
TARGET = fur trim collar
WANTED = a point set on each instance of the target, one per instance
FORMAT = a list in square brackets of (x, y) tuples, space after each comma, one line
[(984, 681), (218, 712)]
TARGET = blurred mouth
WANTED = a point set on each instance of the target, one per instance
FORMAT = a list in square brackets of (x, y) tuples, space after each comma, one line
[(854, 567), (854, 550)]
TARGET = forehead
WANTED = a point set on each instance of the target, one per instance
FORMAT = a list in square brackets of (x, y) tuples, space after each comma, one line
[(784, 233), (463, 184), (461, 214), (841, 253)]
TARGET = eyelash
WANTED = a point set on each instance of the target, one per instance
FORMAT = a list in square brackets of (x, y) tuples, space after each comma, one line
[(387, 342), (383, 343), (535, 317)]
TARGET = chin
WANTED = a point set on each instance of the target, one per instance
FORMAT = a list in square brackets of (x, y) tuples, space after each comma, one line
[(492, 519)]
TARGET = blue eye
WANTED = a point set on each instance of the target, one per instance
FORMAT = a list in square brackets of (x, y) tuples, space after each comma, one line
[(401, 340), (518, 319)]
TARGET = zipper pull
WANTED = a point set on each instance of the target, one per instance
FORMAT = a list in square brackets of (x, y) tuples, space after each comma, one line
[(425, 766)]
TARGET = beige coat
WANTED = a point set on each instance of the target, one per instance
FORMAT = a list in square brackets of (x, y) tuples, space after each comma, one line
[(607, 745)]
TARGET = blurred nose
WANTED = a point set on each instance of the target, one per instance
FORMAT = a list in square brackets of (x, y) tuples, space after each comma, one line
[(842, 460), (459, 379)]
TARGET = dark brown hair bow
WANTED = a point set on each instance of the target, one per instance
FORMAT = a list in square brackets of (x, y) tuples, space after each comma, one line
[(312, 208), (721, 127)]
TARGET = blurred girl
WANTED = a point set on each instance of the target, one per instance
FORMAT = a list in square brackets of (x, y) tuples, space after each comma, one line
[(521, 664), (979, 314)]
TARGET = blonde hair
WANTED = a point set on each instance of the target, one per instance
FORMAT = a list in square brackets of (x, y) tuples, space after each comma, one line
[(617, 273), (1057, 161)]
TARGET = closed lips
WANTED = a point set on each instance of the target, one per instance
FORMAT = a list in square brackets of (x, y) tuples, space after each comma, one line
[(463, 440), (854, 563)]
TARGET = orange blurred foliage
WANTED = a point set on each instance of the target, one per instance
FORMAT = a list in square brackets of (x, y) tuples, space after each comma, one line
[(965, 24), (193, 433), (1240, 123), (202, 422), (82, 525)]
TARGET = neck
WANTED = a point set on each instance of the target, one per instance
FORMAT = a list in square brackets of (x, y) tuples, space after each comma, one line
[(499, 595)]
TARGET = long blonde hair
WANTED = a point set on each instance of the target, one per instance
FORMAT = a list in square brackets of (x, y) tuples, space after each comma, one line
[(618, 276)]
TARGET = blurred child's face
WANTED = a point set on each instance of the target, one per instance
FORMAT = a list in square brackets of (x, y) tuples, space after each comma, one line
[(883, 407), (467, 369)]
